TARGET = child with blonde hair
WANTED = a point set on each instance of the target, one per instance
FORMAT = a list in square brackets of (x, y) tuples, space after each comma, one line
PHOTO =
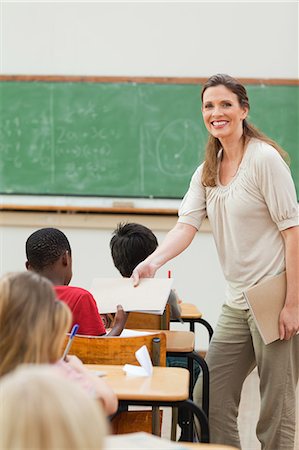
[(42, 410), (33, 326)]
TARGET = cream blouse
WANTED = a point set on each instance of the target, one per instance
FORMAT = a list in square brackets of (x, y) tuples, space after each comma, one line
[(246, 217)]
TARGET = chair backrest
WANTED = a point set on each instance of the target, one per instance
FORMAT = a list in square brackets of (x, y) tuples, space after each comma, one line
[(143, 321), (118, 350)]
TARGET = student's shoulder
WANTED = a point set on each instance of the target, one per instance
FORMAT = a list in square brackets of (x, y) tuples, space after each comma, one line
[(73, 290)]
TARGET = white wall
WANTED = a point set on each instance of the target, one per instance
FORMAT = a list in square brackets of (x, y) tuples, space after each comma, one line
[(195, 39), (245, 39)]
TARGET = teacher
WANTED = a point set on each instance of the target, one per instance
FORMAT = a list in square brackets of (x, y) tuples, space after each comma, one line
[(245, 188)]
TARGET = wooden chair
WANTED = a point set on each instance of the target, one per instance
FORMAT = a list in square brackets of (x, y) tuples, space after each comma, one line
[(118, 350), (121, 350), (141, 321)]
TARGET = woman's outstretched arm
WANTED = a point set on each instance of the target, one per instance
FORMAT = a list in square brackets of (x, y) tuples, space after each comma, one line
[(175, 242)]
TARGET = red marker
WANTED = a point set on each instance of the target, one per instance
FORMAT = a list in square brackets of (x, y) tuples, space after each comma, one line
[(169, 273)]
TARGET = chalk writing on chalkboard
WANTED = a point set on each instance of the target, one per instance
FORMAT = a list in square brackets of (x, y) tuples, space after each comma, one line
[(119, 139)]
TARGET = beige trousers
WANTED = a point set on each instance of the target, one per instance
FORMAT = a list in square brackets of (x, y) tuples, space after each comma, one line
[(235, 350)]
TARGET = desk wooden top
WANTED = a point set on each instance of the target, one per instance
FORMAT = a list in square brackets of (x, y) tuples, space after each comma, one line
[(166, 383), (207, 446), (178, 341), (136, 441), (190, 311)]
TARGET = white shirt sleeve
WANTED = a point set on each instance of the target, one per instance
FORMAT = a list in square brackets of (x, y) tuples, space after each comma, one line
[(275, 182)]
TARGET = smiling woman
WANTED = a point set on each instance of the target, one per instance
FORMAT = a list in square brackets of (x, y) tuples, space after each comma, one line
[(225, 106), (245, 188)]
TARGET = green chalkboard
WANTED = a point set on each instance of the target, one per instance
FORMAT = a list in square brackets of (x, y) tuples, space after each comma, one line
[(119, 139)]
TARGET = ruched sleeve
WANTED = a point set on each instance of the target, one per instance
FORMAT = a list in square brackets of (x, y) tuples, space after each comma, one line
[(275, 182)]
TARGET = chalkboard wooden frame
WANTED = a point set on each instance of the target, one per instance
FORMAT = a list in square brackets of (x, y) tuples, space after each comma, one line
[(121, 206), (160, 80)]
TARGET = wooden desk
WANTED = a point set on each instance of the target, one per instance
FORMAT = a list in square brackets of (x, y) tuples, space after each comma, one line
[(208, 446), (168, 386), (145, 441), (192, 315), (190, 311), (167, 383), (177, 341)]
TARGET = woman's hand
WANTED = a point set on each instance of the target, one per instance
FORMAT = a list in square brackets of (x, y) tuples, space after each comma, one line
[(176, 241), (145, 269), (289, 320)]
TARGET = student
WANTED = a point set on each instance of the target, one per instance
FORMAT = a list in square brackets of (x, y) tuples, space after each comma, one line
[(132, 243), (42, 410), (33, 326), (48, 253), (246, 190)]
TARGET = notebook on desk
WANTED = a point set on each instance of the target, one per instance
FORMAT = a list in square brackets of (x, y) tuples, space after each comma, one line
[(266, 300)]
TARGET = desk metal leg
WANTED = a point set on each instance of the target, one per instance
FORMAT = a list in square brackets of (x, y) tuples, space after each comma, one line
[(156, 420), (207, 325), (203, 421), (205, 381), (191, 357), (174, 423), (189, 404)]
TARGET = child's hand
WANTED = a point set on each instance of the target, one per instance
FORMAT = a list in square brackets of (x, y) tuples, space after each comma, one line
[(119, 321), (75, 363), (120, 317)]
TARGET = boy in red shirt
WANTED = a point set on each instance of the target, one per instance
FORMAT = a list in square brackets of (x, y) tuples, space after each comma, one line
[(48, 253)]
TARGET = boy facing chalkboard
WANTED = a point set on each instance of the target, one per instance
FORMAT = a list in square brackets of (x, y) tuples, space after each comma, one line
[(48, 253), (132, 243)]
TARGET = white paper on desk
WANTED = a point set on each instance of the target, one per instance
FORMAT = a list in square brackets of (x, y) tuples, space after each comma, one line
[(127, 332), (145, 369), (150, 295)]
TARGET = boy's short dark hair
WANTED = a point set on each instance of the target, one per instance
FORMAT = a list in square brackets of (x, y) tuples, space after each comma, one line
[(131, 243), (45, 246)]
